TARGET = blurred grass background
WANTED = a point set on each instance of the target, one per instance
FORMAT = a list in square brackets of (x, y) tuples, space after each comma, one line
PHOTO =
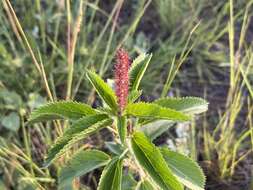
[(200, 48)]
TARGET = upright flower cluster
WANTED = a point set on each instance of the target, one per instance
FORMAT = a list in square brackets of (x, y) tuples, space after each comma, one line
[(121, 77)]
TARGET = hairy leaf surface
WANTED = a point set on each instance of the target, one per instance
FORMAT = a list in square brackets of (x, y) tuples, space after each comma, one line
[(60, 110), (81, 163), (134, 95), (151, 159), (138, 69), (111, 176), (154, 111), (144, 185), (189, 105), (156, 128), (128, 182), (185, 169), (115, 148), (103, 90), (80, 130)]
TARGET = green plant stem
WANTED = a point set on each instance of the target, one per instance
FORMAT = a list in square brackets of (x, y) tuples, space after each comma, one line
[(27, 147), (231, 44), (42, 25)]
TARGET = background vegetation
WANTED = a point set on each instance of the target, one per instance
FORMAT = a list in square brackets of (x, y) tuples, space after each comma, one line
[(203, 46)]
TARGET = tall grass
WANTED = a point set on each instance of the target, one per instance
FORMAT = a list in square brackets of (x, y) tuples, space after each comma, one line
[(46, 51), (85, 47), (219, 48), (233, 130)]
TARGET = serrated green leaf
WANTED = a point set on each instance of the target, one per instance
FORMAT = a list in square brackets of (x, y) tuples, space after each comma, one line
[(82, 163), (111, 176), (79, 130), (151, 159), (128, 182), (154, 111), (60, 110), (134, 95), (144, 185), (122, 128), (114, 147), (189, 105), (82, 124), (103, 90), (156, 128), (185, 169), (138, 69)]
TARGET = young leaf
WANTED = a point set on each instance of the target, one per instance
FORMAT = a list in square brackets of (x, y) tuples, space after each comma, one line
[(134, 95), (144, 185), (186, 170), (77, 127), (128, 182), (60, 110), (154, 111), (189, 105), (111, 176), (138, 69), (115, 148), (151, 159), (122, 128), (103, 90), (82, 124), (80, 130), (82, 163), (156, 128)]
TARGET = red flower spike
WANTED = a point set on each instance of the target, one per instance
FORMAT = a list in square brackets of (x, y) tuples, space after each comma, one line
[(121, 77)]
